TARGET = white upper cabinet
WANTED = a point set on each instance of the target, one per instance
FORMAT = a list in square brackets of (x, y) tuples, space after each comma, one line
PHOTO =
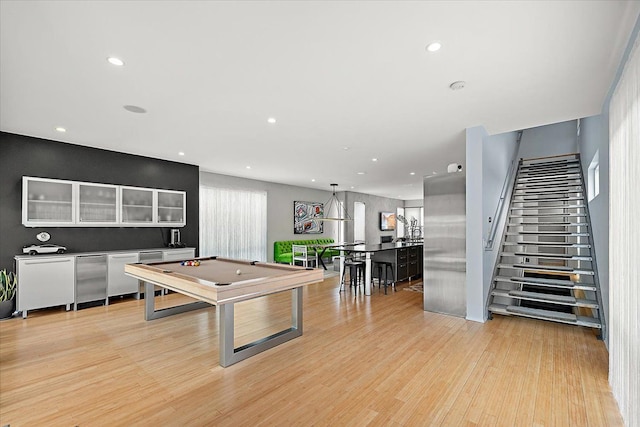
[(47, 202), (97, 204), (137, 205), (171, 207), (59, 203)]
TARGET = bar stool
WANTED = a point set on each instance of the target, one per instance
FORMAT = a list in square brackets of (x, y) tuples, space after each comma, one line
[(356, 272), (385, 266)]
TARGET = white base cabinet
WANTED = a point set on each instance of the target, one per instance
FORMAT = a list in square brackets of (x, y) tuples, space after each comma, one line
[(45, 282), (48, 281)]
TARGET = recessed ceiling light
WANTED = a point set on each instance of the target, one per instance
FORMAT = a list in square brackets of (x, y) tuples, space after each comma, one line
[(181, 153), (434, 46), (457, 85), (434, 172), (271, 120), (313, 180), (61, 129), (374, 160), (248, 167), (352, 187), (135, 109), (346, 148), (361, 173), (412, 173), (115, 61)]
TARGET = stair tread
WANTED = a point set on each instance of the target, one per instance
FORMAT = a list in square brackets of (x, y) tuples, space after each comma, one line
[(545, 297), (525, 192), (555, 224), (545, 198), (537, 313), (556, 283), (537, 208), (548, 255), (549, 169), (549, 244), (549, 268), (546, 233), (563, 214), (533, 162)]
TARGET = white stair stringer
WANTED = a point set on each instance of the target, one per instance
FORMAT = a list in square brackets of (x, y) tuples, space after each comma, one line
[(546, 268)]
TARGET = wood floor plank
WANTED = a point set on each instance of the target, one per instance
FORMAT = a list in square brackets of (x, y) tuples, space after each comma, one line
[(362, 361)]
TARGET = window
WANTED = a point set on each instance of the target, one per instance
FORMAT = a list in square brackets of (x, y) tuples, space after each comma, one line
[(233, 223), (594, 177)]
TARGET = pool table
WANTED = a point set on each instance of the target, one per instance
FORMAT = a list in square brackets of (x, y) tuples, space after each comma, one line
[(223, 282)]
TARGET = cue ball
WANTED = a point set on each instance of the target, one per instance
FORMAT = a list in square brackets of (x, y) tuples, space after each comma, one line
[(238, 272)]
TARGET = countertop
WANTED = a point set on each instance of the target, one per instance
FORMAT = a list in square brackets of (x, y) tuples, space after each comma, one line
[(77, 254)]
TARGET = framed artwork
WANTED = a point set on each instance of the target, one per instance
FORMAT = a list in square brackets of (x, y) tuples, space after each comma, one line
[(307, 217), (387, 221)]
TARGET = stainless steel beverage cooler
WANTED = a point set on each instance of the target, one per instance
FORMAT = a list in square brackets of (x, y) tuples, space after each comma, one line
[(445, 269), (91, 278)]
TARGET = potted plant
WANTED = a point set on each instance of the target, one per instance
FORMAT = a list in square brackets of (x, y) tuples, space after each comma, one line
[(8, 282)]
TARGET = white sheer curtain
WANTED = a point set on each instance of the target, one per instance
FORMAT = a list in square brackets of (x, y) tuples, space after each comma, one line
[(624, 240), (233, 223)]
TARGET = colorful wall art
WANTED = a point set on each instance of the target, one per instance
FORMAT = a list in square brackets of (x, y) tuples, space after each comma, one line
[(307, 217)]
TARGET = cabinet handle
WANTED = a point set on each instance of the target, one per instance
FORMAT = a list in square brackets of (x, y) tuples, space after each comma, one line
[(51, 261), (124, 256)]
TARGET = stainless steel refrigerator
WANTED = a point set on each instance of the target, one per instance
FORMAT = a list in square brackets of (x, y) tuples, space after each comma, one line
[(444, 275)]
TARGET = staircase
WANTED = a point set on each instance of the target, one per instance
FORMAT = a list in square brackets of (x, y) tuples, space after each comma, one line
[(546, 267)]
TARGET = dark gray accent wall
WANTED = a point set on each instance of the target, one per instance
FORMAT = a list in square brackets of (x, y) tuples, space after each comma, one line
[(28, 156)]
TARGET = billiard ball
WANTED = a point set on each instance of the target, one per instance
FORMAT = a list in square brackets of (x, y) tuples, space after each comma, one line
[(238, 272)]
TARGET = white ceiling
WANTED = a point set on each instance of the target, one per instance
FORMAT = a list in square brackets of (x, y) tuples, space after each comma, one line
[(334, 74)]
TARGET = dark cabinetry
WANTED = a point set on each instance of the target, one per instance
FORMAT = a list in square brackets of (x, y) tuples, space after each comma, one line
[(407, 261)]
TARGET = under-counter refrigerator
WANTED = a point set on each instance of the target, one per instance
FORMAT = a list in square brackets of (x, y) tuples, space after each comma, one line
[(444, 271)]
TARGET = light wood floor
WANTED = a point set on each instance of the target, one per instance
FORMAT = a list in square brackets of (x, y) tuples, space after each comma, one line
[(378, 360)]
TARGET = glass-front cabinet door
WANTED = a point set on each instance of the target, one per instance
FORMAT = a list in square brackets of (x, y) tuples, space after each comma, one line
[(97, 204), (171, 207), (137, 205), (47, 202)]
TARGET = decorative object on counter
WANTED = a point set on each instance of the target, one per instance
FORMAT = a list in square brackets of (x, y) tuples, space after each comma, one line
[(43, 249), (307, 217), (43, 237), (411, 227), (8, 283), (174, 234)]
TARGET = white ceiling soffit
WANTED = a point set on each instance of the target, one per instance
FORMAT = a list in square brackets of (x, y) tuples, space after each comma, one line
[(346, 82)]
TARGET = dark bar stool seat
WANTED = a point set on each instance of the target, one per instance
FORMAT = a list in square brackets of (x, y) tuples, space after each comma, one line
[(356, 272), (385, 266)]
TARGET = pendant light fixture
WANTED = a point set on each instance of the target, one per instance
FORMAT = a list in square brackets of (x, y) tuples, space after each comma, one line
[(334, 207)]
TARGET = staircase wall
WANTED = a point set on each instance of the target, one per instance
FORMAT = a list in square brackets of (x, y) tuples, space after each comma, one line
[(549, 140), (487, 162), (594, 136)]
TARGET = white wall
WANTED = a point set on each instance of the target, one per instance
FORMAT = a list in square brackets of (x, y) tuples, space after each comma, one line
[(498, 154), (280, 200), (487, 162), (474, 237), (550, 140), (594, 136)]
